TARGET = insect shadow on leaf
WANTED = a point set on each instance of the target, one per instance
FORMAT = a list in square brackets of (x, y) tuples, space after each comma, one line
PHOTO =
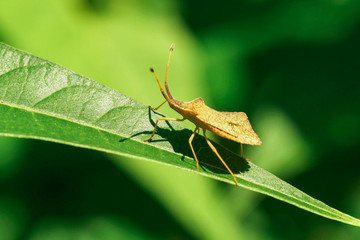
[(208, 161)]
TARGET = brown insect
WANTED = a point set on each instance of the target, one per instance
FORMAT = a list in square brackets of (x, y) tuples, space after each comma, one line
[(231, 125)]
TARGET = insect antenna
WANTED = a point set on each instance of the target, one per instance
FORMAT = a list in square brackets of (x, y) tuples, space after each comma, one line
[(161, 89), (167, 69)]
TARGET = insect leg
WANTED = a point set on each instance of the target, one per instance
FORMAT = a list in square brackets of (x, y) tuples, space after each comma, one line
[(242, 151), (192, 149), (218, 155), (162, 119), (157, 106)]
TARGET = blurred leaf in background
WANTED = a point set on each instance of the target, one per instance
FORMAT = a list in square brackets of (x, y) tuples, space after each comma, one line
[(292, 66)]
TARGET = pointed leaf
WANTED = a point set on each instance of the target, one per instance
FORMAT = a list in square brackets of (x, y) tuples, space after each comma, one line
[(41, 100)]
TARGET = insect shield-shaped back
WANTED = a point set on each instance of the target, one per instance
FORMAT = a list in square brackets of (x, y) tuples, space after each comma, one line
[(231, 125), (235, 126)]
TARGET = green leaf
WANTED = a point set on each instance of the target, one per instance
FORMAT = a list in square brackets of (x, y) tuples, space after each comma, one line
[(41, 100)]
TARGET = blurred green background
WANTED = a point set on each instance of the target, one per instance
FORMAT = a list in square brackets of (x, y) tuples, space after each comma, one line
[(292, 66)]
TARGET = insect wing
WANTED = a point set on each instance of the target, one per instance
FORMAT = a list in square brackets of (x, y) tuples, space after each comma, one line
[(231, 125)]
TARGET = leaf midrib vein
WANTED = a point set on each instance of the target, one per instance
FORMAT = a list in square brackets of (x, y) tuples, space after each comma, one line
[(32, 110)]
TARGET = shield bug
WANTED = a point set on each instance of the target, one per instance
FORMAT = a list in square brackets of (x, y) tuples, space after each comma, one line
[(231, 125)]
